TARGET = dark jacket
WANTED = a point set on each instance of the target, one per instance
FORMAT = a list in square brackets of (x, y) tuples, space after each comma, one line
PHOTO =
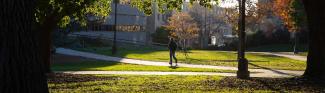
[(172, 45)]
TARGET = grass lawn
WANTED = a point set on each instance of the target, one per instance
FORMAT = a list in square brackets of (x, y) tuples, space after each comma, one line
[(278, 48), (303, 53), (63, 83), (281, 48), (206, 57), (116, 66)]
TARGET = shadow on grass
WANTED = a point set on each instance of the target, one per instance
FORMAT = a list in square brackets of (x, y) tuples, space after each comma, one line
[(275, 71), (192, 59), (123, 51), (73, 78), (74, 63), (278, 85), (237, 61), (173, 67), (281, 85), (263, 55)]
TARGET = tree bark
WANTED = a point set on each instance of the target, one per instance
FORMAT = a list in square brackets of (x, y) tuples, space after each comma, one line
[(21, 69), (45, 38), (316, 54)]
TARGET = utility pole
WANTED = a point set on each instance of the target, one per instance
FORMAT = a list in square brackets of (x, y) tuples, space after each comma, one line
[(115, 29), (242, 72)]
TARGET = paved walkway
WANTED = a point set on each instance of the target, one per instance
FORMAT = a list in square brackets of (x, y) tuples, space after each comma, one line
[(263, 72)]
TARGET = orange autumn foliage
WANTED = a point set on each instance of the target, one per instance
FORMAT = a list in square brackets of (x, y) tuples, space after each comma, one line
[(284, 9), (182, 26)]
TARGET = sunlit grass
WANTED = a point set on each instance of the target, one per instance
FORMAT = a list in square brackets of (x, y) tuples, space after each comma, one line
[(131, 83), (175, 84), (206, 57)]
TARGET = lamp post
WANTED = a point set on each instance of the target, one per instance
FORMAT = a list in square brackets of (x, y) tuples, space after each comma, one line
[(115, 29), (295, 47), (242, 72)]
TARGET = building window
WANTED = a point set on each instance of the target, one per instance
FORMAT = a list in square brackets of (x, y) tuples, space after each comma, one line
[(129, 28), (125, 2), (126, 28)]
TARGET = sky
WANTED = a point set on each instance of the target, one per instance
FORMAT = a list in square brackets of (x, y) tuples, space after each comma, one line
[(232, 3), (228, 3)]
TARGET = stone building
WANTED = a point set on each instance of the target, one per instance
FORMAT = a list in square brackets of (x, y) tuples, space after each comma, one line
[(133, 26)]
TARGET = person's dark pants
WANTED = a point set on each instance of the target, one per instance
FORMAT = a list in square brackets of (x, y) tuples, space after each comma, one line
[(172, 56)]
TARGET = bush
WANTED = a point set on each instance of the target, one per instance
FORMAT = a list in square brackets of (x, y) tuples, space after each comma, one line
[(161, 36), (94, 42), (231, 46), (257, 39), (260, 38), (61, 39)]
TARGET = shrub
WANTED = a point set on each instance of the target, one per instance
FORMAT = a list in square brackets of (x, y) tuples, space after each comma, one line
[(259, 38), (61, 39), (160, 36)]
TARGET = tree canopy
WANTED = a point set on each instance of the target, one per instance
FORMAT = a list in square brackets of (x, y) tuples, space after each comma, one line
[(165, 5), (182, 26), (62, 12), (291, 12)]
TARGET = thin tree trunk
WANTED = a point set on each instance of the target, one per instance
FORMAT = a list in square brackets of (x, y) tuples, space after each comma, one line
[(21, 69), (316, 56)]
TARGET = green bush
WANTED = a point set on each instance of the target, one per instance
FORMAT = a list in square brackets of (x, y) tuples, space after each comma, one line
[(160, 36), (94, 42), (61, 39), (260, 38)]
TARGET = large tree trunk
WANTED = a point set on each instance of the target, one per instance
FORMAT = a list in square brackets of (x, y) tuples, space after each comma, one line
[(316, 56), (45, 38), (21, 69)]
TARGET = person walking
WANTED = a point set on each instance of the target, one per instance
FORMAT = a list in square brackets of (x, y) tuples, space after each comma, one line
[(172, 46)]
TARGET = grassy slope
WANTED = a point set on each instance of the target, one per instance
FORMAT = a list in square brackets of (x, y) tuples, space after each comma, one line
[(115, 66), (176, 84), (207, 57)]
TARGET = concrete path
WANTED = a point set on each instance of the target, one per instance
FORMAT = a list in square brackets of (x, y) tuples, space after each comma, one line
[(295, 57), (263, 72)]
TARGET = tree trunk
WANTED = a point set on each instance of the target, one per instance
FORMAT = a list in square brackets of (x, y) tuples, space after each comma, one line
[(21, 69), (316, 55), (45, 38)]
